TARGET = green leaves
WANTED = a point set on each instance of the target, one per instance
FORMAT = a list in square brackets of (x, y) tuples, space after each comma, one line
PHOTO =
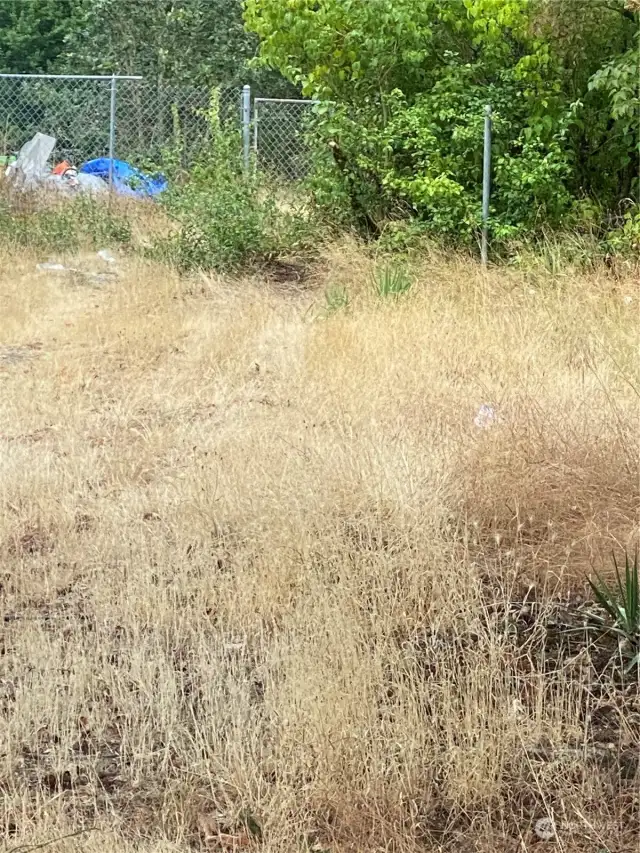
[(620, 79), (408, 82), (32, 34), (621, 606), (371, 47), (391, 280)]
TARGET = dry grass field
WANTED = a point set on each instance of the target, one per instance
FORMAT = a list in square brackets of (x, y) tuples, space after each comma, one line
[(266, 585)]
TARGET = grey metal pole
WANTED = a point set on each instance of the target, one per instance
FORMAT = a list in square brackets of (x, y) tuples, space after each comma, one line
[(256, 119), (486, 185), (112, 131), (70, 76), (246, 126)]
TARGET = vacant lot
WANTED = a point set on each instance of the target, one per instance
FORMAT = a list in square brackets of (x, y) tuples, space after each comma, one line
[(266, 584)]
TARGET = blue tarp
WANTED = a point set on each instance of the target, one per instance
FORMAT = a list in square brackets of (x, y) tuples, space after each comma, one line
[(127, 180)]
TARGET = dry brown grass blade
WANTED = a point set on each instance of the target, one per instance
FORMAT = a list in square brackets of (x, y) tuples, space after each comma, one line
[(29, 848), (257, 558)]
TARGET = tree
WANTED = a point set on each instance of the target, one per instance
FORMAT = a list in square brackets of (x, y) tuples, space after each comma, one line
[(409, 81), (32, 34), (599, 53), (186, 42)]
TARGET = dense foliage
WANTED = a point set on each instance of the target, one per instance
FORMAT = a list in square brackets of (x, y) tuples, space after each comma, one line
[(408, 82), (185, 42), (32, 34), (404, 84)]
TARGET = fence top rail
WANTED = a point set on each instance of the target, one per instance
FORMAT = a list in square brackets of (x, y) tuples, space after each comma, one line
[(284, 101), (71, 77)]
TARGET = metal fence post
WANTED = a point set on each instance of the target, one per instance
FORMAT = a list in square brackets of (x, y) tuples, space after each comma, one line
[(246, 125), (112, 130), (256, 119), (486, 185)]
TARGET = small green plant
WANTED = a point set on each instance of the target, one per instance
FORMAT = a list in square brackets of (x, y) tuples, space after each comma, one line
[(391, 280), (225, 218), (336, 298), (625, 239), (621, 606), (66, 226)]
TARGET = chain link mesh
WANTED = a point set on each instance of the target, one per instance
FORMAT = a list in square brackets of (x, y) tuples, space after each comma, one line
[(75, 112), (151, 119), (282, 139)]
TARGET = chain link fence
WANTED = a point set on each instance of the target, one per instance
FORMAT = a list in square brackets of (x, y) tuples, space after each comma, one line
[(283, 136), (153, 118), (74, 111), (82, 112), (139, 121)]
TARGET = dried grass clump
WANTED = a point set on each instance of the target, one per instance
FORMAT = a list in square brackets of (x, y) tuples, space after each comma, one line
[(266, 586)]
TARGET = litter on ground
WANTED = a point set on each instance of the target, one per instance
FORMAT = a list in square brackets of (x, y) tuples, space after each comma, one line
[(485, 417), (30, 170), (107, 256), (127, 180), (30, 166), (47, 267)]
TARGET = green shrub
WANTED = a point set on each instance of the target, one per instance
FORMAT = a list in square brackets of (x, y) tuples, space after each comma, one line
[(408, 82), (225, 220), (224, 217), (625, 239)]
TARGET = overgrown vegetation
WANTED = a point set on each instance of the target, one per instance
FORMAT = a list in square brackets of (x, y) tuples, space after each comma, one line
[(226, 216), (182, 42), (403, 86), (33, 220), (408, 82), (325, 568)]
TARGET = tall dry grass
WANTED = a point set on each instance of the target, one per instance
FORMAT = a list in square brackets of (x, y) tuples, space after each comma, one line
[(260, 569)]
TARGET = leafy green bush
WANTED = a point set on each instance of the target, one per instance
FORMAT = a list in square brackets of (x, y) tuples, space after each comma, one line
[(625, 239), (416, 150), (408, 82), (226, 218)]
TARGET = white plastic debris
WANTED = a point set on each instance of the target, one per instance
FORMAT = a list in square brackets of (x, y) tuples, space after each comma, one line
[(30, 168), (53, 267), (545, 828), (70, 186), (628, 300), (107, 256), (485, 417), (31, 171), (91, 184)]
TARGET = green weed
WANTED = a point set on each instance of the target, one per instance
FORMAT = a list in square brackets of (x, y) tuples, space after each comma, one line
[(621, 606), (336, 298), (391, 280)]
